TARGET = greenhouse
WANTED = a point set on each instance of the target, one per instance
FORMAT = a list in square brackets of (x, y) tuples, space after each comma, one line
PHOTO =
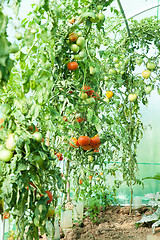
[(79, 119)]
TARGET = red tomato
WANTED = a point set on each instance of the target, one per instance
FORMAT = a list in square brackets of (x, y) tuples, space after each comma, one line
[(49, 195), (65, 119), (87, 90), (59, 155), (72, 66), (80, 181), (6, 215), (83, 140)]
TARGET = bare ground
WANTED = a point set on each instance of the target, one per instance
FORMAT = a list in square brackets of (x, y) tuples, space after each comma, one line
[(114, 223)]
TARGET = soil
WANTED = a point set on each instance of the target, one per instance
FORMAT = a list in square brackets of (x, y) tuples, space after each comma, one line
[(114, 223)]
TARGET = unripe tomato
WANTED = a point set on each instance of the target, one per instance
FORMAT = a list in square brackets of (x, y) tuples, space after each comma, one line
[(151, 65), (18, 36), (90, 100), (115, 59), (37, 136), (1, 121), (148, 89), (6, 155), (84, 96), (146, 74), (77, 57), (106, 100), (72, 66), (79, 34), (139, 61), (132, 97), (112, 71), (101, 16), (39, 160), (82, 54), (109, 94), (90, 158), (92, 70), (99, 7), (80, 41), (5, 108), (13, 48), (101, 173), (51, 212), (73, 37), (10, 142), (74, 48)]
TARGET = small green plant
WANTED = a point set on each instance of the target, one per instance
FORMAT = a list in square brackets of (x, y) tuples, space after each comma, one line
[(155, 203)]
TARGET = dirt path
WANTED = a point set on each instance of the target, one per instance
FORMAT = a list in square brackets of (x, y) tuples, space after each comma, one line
[(114, 223)]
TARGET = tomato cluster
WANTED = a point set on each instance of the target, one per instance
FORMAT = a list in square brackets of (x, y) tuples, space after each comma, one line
[(86, 143)]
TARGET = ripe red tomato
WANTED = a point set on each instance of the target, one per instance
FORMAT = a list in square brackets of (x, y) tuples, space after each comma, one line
[(50, 196), (59, 155), (6, 215), (83, 140), (79, 119), (75, 141), (65, 119), (94, 141), (96, 96), (87, 90), (72, 66)]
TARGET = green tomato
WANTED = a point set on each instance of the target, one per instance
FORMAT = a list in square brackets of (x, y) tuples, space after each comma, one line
[(80, 41), (94, 19), (38, 159), (18, 36), (151, 65), (11, 142), (117, 65), (74, 48), (99, 7), (112, 71), (90, 101), (5, 108), (92, 70), (13, 48), (77, 57), (6, 155), (148, 89), (37, 136), (106, 100), (84, 96), (36, 222), (132, 97), (101, 16), (90, 158), (51, 212), (139, 61), (79, 34), (82, 54), (115, 59)]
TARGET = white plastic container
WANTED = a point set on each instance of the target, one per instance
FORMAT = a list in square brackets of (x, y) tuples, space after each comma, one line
[(78, 211), (66, 219), (137, 202)]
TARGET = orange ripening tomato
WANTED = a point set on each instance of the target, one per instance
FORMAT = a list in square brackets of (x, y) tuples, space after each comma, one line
[(96, 150), (79, 119), (72, 66), (101, 173), (90, 177), (86, 147), (6, 215), (61, 174), (96, 96), (109, 94), (1, 121), (73, 37), (95, 140), (87, 90), (75, 141), (96, 146), (33, 128), (83, 140), (59, 155), (65, 119), (71, 21), (80, 181)]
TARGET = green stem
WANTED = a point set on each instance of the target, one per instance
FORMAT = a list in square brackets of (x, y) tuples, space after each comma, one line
[(124, 16)]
